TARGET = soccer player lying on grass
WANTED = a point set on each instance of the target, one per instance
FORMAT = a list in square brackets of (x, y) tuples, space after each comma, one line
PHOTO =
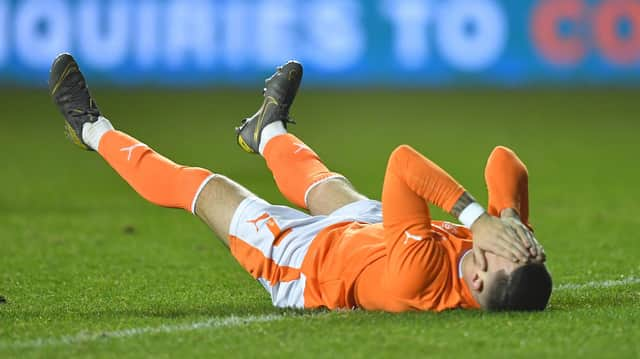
[(350, 252)]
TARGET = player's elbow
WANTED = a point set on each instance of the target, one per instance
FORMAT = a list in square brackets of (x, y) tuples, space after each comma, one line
[(400, 157), (505, 155), (402, 151), (502, 152)]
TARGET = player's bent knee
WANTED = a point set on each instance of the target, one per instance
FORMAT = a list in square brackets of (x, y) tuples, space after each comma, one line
[(332, 194), (218, 202)]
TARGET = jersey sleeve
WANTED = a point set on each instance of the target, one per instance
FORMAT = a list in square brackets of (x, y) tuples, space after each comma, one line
[(507, 181), (414, 258), (411, 182)]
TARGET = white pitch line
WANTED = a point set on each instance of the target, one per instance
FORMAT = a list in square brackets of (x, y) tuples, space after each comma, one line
[(84, 337), (232, 321), (598, 284)]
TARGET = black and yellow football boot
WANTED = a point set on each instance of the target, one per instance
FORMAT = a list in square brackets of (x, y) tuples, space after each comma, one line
[(279, 92), (69, 92)]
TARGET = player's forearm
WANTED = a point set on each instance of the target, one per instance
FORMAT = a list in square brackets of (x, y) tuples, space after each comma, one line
[(507, 181), (438, 187), (427, 179), (431, 183)]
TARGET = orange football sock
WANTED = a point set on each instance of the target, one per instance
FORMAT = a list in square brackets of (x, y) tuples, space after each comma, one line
[(295, 167), (155, 178), (508, 183)]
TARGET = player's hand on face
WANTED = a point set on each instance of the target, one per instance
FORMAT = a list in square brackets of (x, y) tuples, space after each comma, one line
[(512, 220), (494, 235)]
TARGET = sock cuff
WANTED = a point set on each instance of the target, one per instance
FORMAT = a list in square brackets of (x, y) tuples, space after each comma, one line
[(270, 131), (92, 132)]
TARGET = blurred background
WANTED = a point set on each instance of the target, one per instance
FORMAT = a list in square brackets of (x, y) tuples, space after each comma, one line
[(343, 43)]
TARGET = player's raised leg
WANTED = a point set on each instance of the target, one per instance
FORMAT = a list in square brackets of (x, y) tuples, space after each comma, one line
[(300, 175), (213, 198)]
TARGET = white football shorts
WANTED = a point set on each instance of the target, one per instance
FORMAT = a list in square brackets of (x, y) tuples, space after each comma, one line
[(271, 242)]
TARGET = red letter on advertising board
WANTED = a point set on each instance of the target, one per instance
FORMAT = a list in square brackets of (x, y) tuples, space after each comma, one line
[(556, 48), (615, 47)]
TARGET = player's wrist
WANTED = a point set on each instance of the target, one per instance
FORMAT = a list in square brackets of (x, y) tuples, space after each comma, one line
[(467, 210), (509, 212), (462, 202), (471, 214)]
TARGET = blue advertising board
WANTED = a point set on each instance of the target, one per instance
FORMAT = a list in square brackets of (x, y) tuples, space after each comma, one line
[(340, 42)]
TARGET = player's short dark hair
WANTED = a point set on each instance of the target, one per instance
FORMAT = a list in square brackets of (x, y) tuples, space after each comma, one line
[(527, 288)]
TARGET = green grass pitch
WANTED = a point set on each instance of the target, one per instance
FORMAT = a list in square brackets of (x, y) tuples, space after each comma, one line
[(89, 269)]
